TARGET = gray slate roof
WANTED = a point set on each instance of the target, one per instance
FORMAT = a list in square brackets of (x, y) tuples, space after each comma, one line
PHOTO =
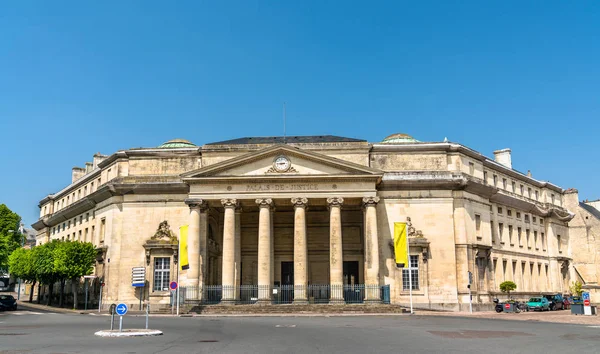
[(290, 139), (590, 209)]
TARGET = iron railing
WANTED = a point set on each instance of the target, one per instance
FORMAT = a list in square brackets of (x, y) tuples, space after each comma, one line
[(284, 294)]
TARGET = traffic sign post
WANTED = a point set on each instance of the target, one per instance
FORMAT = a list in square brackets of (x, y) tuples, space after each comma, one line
[(85, 281), (138, 280), (121, 310), (470, 297), (587, 309)]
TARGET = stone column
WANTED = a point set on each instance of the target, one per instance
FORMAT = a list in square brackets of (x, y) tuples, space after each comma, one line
[(238, 251), (193, 272), (371, 249), (300, 251), (228, 272), (336, 253), (264, 250)]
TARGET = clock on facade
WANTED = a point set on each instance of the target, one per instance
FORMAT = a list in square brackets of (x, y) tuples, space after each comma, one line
[(281, 164)]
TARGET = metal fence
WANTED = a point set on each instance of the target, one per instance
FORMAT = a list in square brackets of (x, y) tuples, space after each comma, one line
[(284, 294)]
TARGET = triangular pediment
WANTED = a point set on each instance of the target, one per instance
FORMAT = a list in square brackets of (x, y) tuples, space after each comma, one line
[(282, 160)]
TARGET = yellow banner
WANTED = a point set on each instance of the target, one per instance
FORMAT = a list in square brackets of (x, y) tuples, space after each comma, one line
[(400, 249), (183, 248)]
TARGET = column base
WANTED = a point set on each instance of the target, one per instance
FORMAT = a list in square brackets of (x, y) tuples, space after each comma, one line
[(264, 302), (300, 302)]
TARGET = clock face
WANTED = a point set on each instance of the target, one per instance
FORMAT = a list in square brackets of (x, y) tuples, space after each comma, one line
[(282, 164)]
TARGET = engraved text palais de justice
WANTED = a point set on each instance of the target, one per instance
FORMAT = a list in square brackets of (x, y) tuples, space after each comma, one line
[(281, 187)]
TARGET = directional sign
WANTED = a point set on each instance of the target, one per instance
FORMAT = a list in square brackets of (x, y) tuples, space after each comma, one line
[(173, 285), (121, 309), (138, 276), (585, 296)]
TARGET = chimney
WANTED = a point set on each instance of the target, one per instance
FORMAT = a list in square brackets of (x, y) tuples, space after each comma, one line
[(503, 157), (77, 173), (98, 157), (89, 167)]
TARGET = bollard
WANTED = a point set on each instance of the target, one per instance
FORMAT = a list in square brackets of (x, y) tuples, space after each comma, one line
[(112, 316), (120, 323), (147, 309)]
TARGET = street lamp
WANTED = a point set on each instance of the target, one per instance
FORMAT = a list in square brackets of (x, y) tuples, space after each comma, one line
[(21, 237)]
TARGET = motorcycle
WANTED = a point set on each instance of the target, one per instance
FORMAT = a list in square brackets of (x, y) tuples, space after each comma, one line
[(499, 307)]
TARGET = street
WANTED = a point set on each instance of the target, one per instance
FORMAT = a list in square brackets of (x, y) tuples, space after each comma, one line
[(36, 331)]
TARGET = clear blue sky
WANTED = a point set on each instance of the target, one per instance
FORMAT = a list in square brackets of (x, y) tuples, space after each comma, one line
[(82, 77)]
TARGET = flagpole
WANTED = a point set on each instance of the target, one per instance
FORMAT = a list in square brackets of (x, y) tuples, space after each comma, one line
[(410, 285)]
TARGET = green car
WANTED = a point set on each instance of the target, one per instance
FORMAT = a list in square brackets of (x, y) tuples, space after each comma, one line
[(539, 303)]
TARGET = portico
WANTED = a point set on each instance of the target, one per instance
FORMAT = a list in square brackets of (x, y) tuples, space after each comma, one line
[(312, 223)]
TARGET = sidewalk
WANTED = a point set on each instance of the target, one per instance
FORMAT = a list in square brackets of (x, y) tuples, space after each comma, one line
[(563, 316)]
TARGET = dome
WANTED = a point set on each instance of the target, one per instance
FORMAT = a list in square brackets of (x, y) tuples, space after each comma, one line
[(399, 138), (177, 143)]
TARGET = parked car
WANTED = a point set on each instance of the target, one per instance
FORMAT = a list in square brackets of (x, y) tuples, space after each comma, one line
[(538, 303), (567, 302), (556, 302), (7, 302)]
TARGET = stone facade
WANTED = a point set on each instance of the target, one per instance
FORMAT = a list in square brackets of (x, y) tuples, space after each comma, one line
[(316, 210)]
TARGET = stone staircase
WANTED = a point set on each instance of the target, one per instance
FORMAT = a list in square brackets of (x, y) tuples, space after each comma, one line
[(290, 309)]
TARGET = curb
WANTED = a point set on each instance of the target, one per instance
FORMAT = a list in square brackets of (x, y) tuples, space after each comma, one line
[(129, 333)]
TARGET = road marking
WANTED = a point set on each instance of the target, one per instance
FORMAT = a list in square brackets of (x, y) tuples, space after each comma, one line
[(593, 326), (285, 326)]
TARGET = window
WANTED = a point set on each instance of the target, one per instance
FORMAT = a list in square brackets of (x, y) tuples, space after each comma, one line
[(80, 219), (495, 180), (492, 227), (84, 191), (44, 210), (79, 238), (64, 228), (414, 269), (529, 192), (543, 241), (537, 195), (471, 168), (478, 226), (91, 187), (526, 217), (522, 190), (485, 177), (559, 244), (53, 230), (510, 235), (541, 221), (85, 235), (92, 239), (102, 229), (58, 228), (69, 224), (519, 236), (162, 273), (514, 187), (499, 210), (527, 234), (79, 194), (500, 232), (535, 240), (552, 198), (508, 212), (67, 200), (518, 215), (87, 217), (504, 183), (99, 182)]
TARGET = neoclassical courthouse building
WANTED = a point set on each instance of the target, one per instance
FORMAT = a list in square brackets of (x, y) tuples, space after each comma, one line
[(316, 210)]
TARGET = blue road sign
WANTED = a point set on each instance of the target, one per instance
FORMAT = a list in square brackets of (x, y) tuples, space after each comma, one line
[(585, 296), (121, 309)]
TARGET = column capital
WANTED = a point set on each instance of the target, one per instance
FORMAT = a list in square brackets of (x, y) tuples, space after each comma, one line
[(197, 204), (264, 203), (335, 201), (230, 203), (299, 202), (370, 201)]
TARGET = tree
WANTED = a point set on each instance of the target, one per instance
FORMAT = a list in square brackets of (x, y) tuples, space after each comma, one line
[(22, 265), (72, 260), (507, 287), (9, 241), (44, 266), (575, 288)]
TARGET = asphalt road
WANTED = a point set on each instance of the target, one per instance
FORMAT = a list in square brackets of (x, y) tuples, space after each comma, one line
[(35, 331)]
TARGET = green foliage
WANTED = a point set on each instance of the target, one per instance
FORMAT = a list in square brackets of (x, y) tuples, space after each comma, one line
[(575, 288), (44, 262), (507, 286), (21, 266), (73, 260), (9, 241)]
